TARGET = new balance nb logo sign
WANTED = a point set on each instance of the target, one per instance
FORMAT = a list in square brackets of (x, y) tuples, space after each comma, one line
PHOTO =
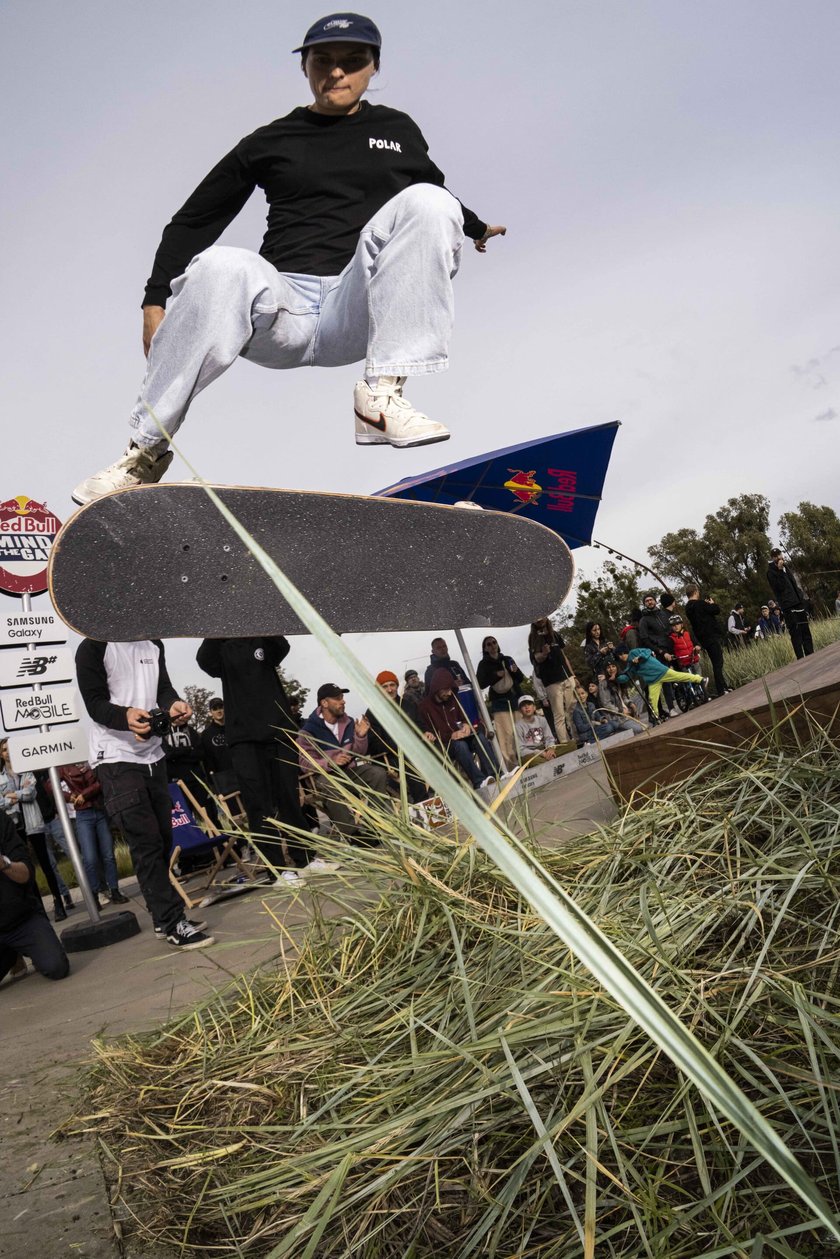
[(34, 666), (384, 144)]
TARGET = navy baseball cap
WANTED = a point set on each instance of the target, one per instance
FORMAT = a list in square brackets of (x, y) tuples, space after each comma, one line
[(342, 28)]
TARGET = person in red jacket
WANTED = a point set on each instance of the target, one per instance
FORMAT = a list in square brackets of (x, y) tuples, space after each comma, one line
[(84, 791), (685, 652), (686, 656)]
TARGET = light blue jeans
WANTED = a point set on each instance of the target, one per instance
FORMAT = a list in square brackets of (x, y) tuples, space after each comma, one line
[(96, 843), (392, 305)]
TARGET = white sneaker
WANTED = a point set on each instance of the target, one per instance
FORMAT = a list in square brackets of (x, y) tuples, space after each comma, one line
[(675, 712), (288, 876), (385, 418), (140, 465), (319, 866)]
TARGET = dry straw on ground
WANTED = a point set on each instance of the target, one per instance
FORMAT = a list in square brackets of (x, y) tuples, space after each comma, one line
[(436, 1076)]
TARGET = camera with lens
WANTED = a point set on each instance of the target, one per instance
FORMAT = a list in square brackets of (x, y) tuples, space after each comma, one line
[(160, 723)]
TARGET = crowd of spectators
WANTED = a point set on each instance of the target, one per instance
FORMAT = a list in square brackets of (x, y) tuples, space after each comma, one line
[(295, 772)]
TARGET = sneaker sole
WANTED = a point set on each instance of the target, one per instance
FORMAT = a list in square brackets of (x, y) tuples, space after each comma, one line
[(369, 439), (200, 926), (193, 944)]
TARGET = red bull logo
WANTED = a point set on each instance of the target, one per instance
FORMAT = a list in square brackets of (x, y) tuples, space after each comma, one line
[(523, 485), (27, 531), (180, 817)]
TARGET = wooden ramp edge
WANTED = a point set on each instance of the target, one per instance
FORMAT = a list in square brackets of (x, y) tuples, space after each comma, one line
[(783, 704)]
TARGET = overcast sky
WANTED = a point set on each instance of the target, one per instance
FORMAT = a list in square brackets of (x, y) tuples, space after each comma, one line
[(669, 175)]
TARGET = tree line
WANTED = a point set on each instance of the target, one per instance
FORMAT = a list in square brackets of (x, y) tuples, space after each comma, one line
[(727, 559)]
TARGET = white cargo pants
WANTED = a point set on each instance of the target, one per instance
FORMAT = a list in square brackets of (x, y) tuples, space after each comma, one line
[(392, 306)]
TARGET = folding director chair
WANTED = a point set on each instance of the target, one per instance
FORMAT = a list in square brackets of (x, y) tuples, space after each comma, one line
[(189, 837)]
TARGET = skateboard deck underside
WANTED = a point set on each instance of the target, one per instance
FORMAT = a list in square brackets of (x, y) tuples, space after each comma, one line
[(161, 562)]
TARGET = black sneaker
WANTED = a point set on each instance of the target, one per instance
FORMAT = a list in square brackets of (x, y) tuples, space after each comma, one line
[(68, 903), (183, 936), (117, 897), (191, 922), (59, 912)]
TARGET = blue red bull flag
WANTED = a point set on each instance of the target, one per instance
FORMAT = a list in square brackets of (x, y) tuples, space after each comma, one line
[(557, 481)]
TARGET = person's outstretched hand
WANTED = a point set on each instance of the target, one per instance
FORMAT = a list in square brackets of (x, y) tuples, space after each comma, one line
[(481, 245)]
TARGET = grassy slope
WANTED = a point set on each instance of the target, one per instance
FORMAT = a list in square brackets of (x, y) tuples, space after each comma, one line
[(392, 1088)]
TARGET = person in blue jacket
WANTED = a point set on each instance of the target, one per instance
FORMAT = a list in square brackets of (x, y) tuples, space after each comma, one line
[(639, 664)]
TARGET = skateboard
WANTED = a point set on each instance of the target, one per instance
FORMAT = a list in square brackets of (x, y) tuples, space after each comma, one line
[(159, 561)]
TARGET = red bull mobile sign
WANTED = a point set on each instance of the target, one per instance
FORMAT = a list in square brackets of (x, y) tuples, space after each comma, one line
[(27, 532)]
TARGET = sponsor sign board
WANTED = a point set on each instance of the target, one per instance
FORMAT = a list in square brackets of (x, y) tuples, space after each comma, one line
[(40, 751), (27, 532), (41, 664), (19, 628), (28, 709)]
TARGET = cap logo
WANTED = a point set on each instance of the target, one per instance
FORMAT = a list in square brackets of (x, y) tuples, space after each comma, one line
[(341, 23)]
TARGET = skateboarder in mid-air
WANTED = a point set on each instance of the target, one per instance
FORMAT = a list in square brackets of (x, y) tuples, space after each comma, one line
[(362, 244)]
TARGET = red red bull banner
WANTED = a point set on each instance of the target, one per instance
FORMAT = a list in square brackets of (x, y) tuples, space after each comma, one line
[(27, 532)]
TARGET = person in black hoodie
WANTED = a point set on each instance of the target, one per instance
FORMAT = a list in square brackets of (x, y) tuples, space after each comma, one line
[(503, 676), (547, 651), (413, 692), (214, 749), (704, 619), (24, 929), (439, 659), (381, 746), (260, 733), (655, 634), (793, 601)]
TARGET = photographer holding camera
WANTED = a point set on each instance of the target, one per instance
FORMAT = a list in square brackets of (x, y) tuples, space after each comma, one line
[(132, 704)]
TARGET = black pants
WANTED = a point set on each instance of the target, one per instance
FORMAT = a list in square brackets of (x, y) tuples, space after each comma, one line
[(34, 938), (796, 619), (39, 847), (137, 801), (365, 776), (714, 651), (269, 785)]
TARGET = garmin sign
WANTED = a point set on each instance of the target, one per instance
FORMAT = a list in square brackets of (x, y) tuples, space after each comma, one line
[(41, 751)]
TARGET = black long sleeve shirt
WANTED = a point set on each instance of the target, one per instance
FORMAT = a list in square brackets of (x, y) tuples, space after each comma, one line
[(18, 901), (324, 178), (256, 705)]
